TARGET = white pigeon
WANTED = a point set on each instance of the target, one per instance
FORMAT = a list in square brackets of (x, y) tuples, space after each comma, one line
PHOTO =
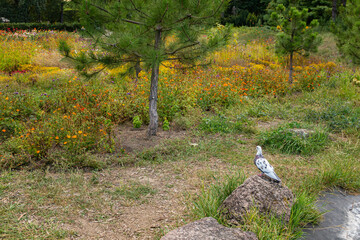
[(264, 165)]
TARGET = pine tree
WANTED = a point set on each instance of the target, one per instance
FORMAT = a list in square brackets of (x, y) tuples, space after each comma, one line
[(347, 31), (133, 31), (294, 36)]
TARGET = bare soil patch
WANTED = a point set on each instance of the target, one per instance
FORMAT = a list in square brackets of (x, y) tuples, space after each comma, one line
[(152, 215), (136, 139)]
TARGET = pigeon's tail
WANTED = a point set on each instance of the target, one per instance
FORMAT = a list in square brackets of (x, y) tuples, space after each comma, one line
[(273, 176)]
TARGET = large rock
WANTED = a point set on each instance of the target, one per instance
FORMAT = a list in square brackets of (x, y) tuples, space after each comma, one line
[(208, 229), (262, 193)]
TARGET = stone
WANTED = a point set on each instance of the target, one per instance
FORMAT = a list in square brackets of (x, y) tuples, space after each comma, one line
[(260, 192), (304, 133), (208, 229)]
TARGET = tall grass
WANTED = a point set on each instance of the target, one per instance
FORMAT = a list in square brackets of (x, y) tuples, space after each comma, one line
[(210, 199), (287, 141)]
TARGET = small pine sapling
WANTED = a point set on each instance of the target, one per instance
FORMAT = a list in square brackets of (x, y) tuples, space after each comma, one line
[(294, 36)]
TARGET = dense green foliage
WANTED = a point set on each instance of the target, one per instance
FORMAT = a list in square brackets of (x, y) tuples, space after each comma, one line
[(70, 27), (347, 31), (245, 13), (318, 9), (36, 11)]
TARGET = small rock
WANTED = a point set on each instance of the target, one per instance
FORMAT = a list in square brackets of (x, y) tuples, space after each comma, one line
[(304, 133), (266, 195), (208, 229)]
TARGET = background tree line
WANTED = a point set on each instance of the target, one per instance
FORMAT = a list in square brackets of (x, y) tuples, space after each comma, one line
[(37, 11), (254, 12), (238, 12)]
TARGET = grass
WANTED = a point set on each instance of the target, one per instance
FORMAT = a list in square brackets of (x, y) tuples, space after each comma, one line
[(134, 191), (210, 199), (221, 124), (265, 226), (286, 140), (226, 110)]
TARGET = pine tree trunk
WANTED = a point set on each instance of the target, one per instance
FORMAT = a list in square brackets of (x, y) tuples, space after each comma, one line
[(137, 70), (291, 68), (62, 12), (334, 9), (153, 90)]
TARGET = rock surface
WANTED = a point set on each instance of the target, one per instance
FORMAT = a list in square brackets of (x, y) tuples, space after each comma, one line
[(304, 133), (341, 220), (208, 229), (266, 195)]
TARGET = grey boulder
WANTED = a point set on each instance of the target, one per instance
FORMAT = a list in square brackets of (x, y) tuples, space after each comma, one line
[(208, 229), (259, 192)]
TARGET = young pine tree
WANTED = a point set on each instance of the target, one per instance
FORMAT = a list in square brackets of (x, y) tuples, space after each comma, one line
[(136, 31), (294, 35)]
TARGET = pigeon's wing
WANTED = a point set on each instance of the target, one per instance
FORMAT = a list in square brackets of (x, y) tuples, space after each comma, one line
[(266, 168), (273, 176), (263, 165)]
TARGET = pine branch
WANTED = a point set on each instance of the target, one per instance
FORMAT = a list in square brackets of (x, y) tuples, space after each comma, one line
[(186, 34), (136, 9), (167, 8), (215, 12), (125, 20), (182, 19), (182, 48), (131, 21), (102, 9)]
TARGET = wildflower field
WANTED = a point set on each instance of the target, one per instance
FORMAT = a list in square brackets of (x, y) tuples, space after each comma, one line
[(53, 118), (46, 106)]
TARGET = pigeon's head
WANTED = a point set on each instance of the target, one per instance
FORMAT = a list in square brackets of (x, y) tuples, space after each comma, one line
[(259, 151)]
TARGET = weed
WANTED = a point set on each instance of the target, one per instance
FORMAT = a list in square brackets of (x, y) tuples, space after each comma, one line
[(166, 125), (137, 122)]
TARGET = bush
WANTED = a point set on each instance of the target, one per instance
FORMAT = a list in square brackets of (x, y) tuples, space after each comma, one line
[(70, 27), (15, 54)]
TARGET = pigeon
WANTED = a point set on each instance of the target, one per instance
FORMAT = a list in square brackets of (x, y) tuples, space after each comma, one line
[(264, 165)]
